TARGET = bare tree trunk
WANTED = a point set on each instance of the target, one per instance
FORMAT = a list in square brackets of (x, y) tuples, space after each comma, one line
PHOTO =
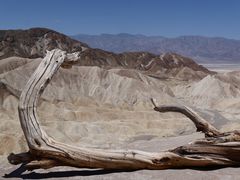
[(44, 152)]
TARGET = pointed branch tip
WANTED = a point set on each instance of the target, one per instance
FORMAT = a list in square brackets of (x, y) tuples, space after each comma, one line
[(154, 102)]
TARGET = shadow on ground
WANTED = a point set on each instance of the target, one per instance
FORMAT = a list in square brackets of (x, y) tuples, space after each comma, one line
[(19, 173)]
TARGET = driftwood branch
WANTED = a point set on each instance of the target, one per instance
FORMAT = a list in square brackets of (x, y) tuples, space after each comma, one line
[(217, 149), (200, 123)]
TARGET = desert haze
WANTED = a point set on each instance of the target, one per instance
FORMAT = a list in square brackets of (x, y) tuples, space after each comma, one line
[(103, 100), (203, 49)]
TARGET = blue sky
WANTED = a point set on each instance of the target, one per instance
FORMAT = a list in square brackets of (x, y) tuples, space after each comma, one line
[(168, 18)]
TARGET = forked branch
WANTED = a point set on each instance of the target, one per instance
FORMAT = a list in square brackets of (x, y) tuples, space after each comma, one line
[(200, 123)]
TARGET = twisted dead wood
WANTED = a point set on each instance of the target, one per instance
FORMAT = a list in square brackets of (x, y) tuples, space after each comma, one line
[(44, 152), (200, 123)]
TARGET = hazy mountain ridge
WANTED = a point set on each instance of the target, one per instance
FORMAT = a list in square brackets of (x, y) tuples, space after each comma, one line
[(203, 49), (33, 43)]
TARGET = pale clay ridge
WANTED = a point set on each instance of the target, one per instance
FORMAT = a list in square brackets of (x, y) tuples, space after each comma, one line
[(208, 92), (105, 86)]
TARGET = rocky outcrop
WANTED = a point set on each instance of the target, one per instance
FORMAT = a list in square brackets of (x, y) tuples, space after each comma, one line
[(33, 43), (164, 66)]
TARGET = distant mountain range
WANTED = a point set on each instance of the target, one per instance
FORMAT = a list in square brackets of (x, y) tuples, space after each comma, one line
[(33, 43), (203, 49)]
